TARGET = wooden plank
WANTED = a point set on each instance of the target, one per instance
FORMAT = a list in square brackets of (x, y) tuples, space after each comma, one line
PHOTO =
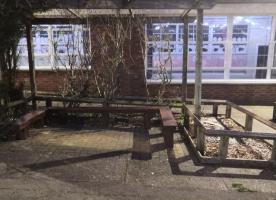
[(48, 103), (223, 146), (215, 110), (248, 123), (228, 111), (168, 132), (69, 99), (104, 110), (226, 162), (200, 140), (274, 112), (186, 121), (238, 134), (147, 123), (273, 154), (29, 118), (131, 4), (256, 117), (31, 63), (19, 102), (132, 100), (259, 164), (167, 117)]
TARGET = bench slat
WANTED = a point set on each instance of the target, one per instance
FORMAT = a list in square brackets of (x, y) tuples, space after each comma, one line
[(105, 109), (167, 117), (29, 118)]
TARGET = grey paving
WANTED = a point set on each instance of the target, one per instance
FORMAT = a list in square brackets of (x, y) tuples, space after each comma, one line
[(58, 163)]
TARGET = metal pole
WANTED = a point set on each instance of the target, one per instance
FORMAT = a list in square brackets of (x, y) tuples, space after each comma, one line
[(185, 57), (31, 63), (198, 70), (198, 76)]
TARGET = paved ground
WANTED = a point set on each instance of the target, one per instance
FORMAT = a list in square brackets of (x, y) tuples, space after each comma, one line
[(82, 164)]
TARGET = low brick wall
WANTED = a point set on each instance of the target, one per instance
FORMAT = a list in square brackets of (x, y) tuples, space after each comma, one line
[(47, 81), (243, 94), (133, 85)]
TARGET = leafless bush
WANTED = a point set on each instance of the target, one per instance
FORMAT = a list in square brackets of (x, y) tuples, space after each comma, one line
[(94, 65)]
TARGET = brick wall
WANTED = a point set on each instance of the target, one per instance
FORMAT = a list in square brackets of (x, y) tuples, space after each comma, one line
[(47, 81), (253, 94), (133, 85)]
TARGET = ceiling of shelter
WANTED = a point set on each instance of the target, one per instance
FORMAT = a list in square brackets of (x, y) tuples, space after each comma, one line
[(85, 8), (131, 4)]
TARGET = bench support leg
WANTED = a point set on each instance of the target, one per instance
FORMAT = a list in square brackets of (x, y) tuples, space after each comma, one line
[(168, 137), (146, 121), (22, 134)]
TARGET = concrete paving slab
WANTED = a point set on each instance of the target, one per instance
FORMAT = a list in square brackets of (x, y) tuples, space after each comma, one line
[(97, 164)]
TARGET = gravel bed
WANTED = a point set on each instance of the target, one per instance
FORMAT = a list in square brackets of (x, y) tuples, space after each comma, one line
[(242, 148)]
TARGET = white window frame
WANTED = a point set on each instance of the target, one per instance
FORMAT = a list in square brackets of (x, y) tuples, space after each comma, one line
[(51, 49), (228, 44)]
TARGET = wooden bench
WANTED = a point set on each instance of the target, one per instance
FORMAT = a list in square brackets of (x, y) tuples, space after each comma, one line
[(168, 122), (169, 125), (23, 123)]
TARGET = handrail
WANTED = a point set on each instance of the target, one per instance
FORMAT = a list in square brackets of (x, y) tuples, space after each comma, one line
[(253, 115), (18, 102), (239, 134)]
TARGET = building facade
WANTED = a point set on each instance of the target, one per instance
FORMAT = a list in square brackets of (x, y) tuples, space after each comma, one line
[(239, 54)]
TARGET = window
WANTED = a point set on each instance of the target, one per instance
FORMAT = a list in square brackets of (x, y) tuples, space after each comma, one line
[(241, 55), (273, 69), (165, 48), (251, 36), (52, 45)]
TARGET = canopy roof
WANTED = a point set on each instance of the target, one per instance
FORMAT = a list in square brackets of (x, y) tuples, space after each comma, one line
[(131, 4), (70, 9)]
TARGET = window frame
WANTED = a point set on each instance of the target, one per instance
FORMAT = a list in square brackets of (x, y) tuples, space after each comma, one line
[(228, 57), (50, 30)]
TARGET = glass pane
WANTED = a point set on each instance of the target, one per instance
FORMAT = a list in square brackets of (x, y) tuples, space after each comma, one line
[(213, 55), (252, 29), (273, 74), (23, 61), (274, 57), (207, 74), (218, 26), (42, 61), (240, 33), (192, 32), (40, 47), (69, 42), (161, 32), (251, 37), (248, 74)]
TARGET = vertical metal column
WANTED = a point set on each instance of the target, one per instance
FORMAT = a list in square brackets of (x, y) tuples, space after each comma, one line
[(31, 63), (198, 70), (185, 57)]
